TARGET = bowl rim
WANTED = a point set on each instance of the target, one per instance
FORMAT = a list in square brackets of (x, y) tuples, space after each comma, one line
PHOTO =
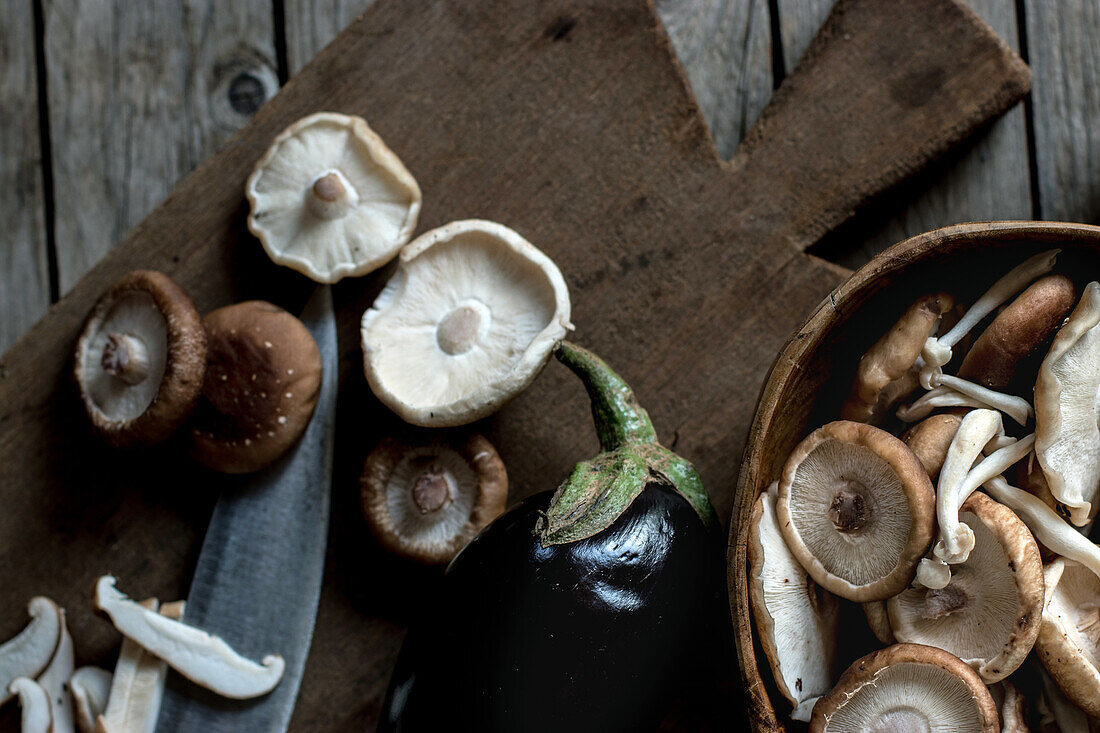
[(804, 340)]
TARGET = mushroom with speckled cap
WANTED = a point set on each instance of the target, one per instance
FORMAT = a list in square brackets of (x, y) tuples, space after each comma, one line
[(263, 378), (140, 360), (330, 200), (426, 501)]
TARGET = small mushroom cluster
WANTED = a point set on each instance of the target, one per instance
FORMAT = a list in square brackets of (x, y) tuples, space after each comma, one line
[(905, 506), (38, 666)]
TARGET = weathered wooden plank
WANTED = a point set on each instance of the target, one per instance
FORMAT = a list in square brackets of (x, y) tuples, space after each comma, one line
[(139, 93), (987, 181), (1064, 49), (312, 24), (725, 48), (24, 275)]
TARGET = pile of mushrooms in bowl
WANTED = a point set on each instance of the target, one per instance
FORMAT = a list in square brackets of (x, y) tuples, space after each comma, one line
[(940, 576)]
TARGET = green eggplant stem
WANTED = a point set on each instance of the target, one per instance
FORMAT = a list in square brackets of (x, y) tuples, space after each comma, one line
[(620, 420)]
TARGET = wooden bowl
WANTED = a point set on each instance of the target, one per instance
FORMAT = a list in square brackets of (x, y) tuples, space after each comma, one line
[(812, 375)]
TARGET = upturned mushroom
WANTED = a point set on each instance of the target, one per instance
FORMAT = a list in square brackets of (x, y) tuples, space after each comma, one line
[(930, 439), (30, 651), (856, 509), (330, 200), (425, 502), (885, 373), (989, 613), (91, 688), (263, 378), (140, 360), (202, 658), (1067, 410), (467, 321), (1069, 640), (797, 622), (907, 687), (35, 704), (1018, 331)]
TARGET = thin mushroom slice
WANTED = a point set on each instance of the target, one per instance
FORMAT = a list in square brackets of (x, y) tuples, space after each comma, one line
[(55, 681), (1067, 410), (465, 324), (330, 200), (856, 508), (989, 613), (28, 653), (937, 351), (91, 689), (891, 359), (35, 703), (907, 687), (797, 622), (1069, 640), (200, 657)]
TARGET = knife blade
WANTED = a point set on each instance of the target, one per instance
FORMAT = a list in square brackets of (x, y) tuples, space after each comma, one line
[(258, 579)]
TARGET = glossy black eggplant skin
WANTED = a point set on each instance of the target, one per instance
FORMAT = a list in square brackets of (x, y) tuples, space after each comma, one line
[(598, 635)]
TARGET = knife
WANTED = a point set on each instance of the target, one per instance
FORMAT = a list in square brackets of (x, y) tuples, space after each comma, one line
[(258, 578)]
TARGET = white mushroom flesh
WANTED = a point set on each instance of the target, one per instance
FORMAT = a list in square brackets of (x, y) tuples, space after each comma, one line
[(137, 686), (201, 657), (1015, 407), (451, 489), (800, 620), (975, 616), (55, 681), (1067, 403), (469, 317), (28, 653), (133, 321), (1073, 606), (35, 704), (91, 689), (330, 199), (935, 399), (909, 696)]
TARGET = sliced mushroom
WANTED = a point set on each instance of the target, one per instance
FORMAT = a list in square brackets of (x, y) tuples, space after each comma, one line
[(907, 687), (262, 382), (1069, 640), (200, 657), (989, 613), (1018, 331), (91, 688), (330, 200), (1067, 410), (1011, 706), (425, 502), (140, 360), (797, 622), (891, 359), (35, 704), (465, 324), (930, 440), (28, 653), (856, 509), (55, 681)]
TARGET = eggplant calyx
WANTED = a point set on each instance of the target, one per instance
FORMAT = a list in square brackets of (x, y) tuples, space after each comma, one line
[(598, 491)]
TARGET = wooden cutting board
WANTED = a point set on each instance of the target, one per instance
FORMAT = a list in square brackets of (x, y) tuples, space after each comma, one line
[(572, 122)]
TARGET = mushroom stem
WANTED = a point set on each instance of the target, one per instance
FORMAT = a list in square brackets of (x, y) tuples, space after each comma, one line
[(1015, 407), (125, 357), (938, 397), (331, 196), (433, 490)]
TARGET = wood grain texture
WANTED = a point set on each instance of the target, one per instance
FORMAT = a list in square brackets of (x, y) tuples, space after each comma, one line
[(985, 181), (24, 276), (571, 122), (139, 93), (310, 25), (1064, 48), (725, 48)]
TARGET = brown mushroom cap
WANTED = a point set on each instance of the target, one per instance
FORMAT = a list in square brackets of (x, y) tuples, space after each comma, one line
[(988, 615), (856, 509), (1018, 331), (907, 687), (425, 502), (931, 438), (140, 360), (891, 358), (263, 378), (879, 621)]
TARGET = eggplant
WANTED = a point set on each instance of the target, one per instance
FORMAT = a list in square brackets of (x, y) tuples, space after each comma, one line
[(592, 607)]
